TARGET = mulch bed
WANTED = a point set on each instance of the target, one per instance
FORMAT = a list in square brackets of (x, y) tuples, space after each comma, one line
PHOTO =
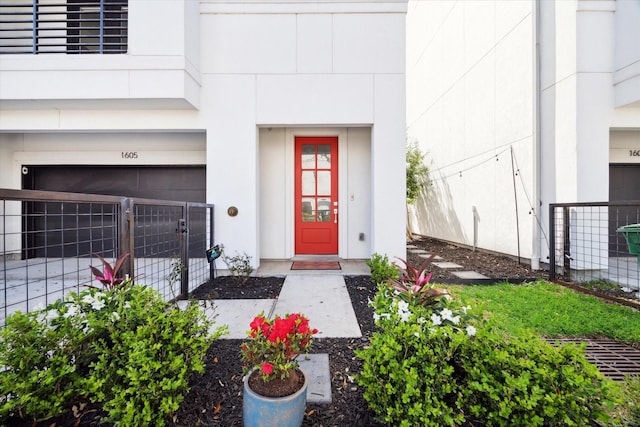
[(215, 398), (498, 268)]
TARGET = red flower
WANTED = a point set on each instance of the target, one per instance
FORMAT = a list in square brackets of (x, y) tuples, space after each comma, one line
[(274, 344), (257, 323)]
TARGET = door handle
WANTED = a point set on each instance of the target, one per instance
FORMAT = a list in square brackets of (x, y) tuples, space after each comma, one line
[(335, 215)]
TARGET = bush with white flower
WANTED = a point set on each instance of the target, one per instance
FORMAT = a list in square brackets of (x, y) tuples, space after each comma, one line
[(408, 374), (432, 362)]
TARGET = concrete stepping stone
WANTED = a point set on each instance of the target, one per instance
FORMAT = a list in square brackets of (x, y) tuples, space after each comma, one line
[(417, 251), (435, 258), (324, 299), (447, 265), (316, 369), (236, 314), (469, 275)]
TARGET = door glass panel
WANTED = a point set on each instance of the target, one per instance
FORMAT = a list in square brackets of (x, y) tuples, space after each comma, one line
[(308, 209), (308, 183), (324, 209), (324, 156), (308, 156), (324, 182)]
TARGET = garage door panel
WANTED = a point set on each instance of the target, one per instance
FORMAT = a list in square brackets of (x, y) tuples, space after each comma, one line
[(624, 185), (72, 230)]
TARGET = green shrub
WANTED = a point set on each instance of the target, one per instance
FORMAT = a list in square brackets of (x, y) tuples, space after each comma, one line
[(41, 379), (627, 412), (407, 375), (381, 269), (427, 366), (527, 381), (125, 349)]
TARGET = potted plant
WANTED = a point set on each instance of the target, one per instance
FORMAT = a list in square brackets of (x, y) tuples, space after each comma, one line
[(275, 389)]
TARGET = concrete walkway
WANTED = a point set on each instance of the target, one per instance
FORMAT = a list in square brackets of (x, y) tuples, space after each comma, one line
[(321, 295)]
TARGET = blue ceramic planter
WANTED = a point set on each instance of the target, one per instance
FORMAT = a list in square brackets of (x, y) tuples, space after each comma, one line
[(261, 411)]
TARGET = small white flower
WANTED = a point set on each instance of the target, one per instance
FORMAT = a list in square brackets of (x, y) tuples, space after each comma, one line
[(446, 314), (72, 311), (455, 320), (403, 306), (436, 320), (464, 309), (98, 304), (471, 331), (448, 297), (115, 316), (404, 316), (421, 320), (127, 305), (416, 334), (376, 317), (88, 299), (52, 315)]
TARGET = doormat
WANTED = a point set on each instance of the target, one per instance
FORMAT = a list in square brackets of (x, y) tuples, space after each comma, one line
[(315, 265)]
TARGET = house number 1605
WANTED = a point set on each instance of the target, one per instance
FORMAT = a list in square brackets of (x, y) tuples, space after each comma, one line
[(129, 154), (634, 153)]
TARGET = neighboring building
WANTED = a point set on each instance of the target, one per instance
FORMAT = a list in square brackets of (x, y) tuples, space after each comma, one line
[(227, 102), (520, 104)]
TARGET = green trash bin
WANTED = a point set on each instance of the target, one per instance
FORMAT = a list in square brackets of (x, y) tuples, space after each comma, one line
[(631, 233)]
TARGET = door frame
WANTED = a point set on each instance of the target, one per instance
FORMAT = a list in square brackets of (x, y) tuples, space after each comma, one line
[(329, 224), (290, 135)]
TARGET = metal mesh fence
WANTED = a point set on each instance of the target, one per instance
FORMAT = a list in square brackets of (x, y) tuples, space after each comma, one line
[(48, 241), (590, 242)]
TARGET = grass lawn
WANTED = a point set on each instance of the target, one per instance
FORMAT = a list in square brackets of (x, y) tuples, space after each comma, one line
[(551, 310), (554, 311)]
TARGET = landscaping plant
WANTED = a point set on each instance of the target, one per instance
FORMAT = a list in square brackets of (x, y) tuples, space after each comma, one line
[(274, 345), (381, 269), (239, 265), (123, 348), (432, 363)]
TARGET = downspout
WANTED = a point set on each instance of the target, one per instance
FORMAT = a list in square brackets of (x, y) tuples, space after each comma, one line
[(537, 178)]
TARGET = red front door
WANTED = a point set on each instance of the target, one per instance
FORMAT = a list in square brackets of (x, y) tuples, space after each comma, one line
[(316, 195)]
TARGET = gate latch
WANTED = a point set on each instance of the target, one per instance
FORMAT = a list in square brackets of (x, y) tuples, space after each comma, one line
[(182, 226)]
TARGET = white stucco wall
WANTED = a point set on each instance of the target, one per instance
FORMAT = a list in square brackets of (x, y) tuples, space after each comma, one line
[(276, 203), (470, 74), (627, 54), (321, 65), (160, 69), (476, 88)]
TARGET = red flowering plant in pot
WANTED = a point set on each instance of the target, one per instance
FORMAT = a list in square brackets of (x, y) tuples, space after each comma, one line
[(270, 355)]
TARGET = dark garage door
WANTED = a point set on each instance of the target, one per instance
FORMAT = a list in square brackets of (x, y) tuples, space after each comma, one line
[(624, 185), (185, 184), (69, 235)]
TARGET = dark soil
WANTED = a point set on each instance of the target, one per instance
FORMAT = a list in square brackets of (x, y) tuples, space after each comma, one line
[(230, 288), (215, 398), (498, 268)]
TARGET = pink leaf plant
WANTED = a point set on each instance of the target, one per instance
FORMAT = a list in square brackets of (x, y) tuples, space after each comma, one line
[(108, 276), (413, 284)]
